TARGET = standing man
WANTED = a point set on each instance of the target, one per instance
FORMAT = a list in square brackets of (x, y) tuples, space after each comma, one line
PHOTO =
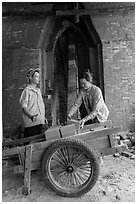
[(33, 106), (92, 97)]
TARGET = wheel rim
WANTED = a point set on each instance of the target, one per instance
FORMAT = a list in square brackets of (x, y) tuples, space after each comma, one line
[(70, 168)]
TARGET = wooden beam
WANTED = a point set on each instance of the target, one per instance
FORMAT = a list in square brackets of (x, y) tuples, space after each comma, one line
[(13, 151), (20, 168), (27, 170), (112, 150), (112, 141), (73, 12), (94, 11), (107, 124), (24, 140)]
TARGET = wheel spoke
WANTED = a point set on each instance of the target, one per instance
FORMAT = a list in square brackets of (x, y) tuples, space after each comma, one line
[(68, 180), (67, 153), (81, 178), (76, 154), (74, 180), (77, 179), (60, 156), (57, 159), (81, 158), (83, 174), (63, 155)]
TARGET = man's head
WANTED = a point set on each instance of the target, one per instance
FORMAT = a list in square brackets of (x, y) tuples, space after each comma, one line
[(86, 80), (34, 76)]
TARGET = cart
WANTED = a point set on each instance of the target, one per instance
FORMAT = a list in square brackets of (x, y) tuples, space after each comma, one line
[(69, 159)]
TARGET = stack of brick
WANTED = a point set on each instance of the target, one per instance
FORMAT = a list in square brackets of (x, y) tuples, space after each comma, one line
[(127, 138)]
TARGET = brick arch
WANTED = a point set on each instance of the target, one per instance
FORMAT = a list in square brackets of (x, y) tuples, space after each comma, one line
[(52, 31), (63, 28), (54, 28)]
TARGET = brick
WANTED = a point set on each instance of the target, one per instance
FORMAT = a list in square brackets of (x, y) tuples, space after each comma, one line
[(68, 130), (53, 133), (76, 122)]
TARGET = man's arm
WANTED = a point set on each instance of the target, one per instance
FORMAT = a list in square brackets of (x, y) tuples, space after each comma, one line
[(96, 106), (76, 105)]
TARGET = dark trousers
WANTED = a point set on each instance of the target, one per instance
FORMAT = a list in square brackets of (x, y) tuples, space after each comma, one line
[(35, 130)]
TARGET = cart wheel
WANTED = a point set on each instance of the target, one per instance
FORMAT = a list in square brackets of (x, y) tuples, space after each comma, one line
[(70, 167)]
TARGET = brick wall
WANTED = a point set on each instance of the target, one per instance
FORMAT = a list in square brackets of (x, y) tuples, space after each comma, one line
[(117, 32), (18, 56)]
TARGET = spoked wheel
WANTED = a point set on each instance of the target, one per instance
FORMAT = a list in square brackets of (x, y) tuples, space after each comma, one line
[(70, 167)]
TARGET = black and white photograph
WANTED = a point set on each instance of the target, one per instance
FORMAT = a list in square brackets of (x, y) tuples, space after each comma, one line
[(68, 101)]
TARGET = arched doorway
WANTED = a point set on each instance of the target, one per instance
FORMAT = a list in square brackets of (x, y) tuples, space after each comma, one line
[(71, 48)]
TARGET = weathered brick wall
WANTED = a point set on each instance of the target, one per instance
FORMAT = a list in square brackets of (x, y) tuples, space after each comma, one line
[(20, 39), (16, 64), (117, 32)]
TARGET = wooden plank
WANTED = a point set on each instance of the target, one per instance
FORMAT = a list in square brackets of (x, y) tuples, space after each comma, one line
[(27, 170), (34, 166), (75, 122), (13, 151), (21, 158), (97, 133), (99, 143), (68, 130), (42, 145), (111, 140), (74, 12), (90, 127), (20, 168), (37, 155), (53, 133), (23, 140), (107, 124), (112, 150), (92, 11)]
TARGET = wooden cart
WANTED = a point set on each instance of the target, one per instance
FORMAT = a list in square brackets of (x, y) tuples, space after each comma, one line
[(68, 158)]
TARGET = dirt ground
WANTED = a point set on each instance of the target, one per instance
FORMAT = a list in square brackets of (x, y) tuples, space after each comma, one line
[(116, 183)]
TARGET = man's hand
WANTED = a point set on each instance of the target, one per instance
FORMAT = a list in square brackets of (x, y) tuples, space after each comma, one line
[(34, 118), (81, 123), (46, 121), (69, 117)]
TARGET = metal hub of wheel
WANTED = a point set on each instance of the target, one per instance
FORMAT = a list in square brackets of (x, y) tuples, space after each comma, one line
[(69, 169)]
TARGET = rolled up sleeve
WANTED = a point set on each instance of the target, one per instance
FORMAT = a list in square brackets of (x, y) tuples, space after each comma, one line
[(24, 99)]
